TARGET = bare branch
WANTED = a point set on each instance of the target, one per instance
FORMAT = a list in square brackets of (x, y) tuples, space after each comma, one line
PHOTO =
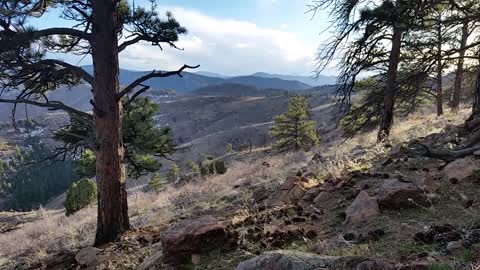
[(153, 74), (53, 105)]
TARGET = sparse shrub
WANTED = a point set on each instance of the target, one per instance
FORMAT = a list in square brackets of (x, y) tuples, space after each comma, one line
[(174, 173), (230, 148), (80, 194), (86, 164), (220, 167), (155, 182), (211, 168), (204, 170), (190, 164), (193, 167), (196, 169)]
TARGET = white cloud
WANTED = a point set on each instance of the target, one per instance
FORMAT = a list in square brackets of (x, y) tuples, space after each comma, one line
[(226, 46)]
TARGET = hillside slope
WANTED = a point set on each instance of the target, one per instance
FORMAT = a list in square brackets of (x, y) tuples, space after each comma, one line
[(366, 206)]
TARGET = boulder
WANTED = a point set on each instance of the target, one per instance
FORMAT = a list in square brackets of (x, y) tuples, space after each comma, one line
[(311, 194), (322, 198), (288, 260), (364, 208), (426, 181), (195, 236), (455, 247), (396, 194), (87, 256), (461, 168), (291, 191)]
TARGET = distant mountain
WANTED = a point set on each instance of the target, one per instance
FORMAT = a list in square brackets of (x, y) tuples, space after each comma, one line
[(235, 89), (268, 83), (321, 80), (212, 74), (187, 83), (193, 81)]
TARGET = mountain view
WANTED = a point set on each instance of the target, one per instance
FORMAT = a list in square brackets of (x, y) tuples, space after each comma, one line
[(240, 135)]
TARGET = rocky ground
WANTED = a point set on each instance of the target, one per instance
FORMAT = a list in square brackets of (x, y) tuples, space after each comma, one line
[(395, 209)]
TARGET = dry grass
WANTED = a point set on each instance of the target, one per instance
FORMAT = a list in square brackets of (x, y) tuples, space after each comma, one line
[(360, 152), (53, 231)]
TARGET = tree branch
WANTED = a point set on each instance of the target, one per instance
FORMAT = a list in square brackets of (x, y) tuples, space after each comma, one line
[(153, 74), (53, 105), (80, 72)]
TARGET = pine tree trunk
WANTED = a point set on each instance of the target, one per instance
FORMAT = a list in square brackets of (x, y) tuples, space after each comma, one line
[(112, 196), (476, 97), (457, 88), (386, 121), (439, 69)]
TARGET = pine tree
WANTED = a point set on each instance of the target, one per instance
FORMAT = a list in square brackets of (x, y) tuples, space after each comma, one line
[(294, 129), (155, 182), (174, 173), (102, 30)]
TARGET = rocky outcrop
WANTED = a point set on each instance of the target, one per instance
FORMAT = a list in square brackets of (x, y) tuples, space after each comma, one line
[(461, 168), (288, 260), (87, 256), (195, 236), (395, 194), (291, 191), (364, 208)]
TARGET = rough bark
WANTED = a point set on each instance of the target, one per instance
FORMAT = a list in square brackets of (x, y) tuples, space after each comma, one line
[(112, 196), (386, 121), (476, 98), (457, 88)]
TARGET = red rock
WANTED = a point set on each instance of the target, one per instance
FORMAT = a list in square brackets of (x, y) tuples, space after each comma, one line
[(291, 191), (194, 236), (461, 168), (395, 194), (322, 197), (364, 208)]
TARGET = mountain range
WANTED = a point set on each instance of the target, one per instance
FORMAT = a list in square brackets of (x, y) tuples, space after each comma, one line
[(193, 81)]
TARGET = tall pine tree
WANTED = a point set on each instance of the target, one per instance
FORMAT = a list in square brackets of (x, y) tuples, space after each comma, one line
[(294, 130), (102, 29)]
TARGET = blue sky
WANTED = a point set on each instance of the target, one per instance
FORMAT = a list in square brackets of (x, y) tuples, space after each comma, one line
[(233, 37)]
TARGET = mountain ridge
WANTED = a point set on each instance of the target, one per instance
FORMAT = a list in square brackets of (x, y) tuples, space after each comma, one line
[(192, 81)]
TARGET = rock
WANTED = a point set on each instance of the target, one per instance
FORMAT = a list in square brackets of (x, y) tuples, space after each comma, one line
[(364, 208), (395, 194), (291, 191), (87, 256), (194, 236), (289, 260), (311, 194), (455, 247), (396, 150), (153, 262), (426, 181), (477, 153), (461, 168), (322, 197)]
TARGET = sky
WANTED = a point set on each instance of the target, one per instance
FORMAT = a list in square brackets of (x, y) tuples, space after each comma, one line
[(234, 37)]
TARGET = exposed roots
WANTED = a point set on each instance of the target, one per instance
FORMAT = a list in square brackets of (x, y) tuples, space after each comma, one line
[(448, 155)]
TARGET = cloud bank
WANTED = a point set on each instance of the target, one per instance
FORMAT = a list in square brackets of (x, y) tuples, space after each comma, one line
[(226, 46)]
